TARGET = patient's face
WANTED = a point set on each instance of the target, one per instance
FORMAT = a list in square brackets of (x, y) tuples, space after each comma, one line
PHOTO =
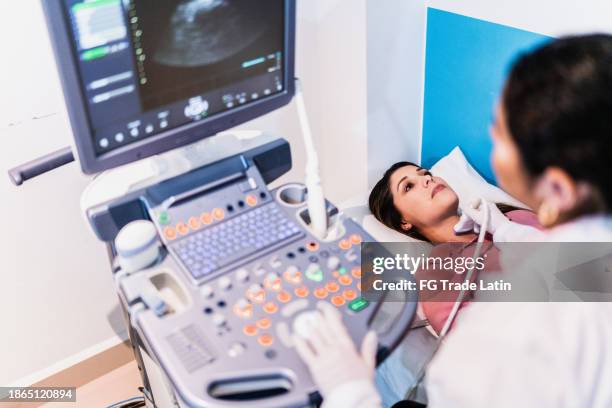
[(422, 199)]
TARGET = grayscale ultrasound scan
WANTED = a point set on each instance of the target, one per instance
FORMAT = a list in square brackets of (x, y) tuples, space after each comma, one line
[(185, 44), (203, 32)]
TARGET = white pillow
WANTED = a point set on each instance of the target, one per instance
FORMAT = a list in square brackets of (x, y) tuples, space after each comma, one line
[(467, 183)]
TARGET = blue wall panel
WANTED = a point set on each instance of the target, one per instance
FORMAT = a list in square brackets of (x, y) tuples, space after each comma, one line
[(466, 63)]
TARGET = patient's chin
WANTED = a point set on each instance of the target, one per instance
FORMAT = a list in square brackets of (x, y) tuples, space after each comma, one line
[(446, 198)]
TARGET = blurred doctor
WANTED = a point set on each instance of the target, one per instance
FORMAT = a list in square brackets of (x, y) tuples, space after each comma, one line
[(552, 150)]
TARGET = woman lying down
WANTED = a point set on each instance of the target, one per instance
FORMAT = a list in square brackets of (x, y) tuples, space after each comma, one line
[(412, 201)]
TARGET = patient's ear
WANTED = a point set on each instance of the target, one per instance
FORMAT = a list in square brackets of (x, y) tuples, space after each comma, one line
[(406, 226)]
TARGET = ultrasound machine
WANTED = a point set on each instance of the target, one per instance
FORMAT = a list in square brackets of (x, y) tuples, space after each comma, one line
[(214, 270)]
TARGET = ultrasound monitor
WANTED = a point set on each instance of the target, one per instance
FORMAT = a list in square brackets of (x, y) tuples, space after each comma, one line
[(142, 77)]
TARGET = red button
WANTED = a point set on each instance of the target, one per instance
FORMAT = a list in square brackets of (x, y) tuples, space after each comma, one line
[(312, 246)]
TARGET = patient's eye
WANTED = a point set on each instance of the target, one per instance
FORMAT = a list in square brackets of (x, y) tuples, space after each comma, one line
[(408, 186)]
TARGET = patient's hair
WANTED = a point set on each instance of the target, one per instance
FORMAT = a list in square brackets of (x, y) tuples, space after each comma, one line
[(558, 105), (382, 207), (381, 203)]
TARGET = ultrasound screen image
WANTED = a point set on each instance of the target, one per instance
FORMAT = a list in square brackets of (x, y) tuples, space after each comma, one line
[(191, 47)]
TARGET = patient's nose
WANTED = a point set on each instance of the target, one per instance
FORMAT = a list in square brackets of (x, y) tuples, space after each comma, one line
[(426, 180)]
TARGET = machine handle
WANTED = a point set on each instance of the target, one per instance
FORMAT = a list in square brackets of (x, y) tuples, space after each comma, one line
[(41, 165), (389, 339)]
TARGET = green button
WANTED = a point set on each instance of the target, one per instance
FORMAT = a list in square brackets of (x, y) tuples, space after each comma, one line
[(358, 305), (315, 275), (164, 218), (342, 271)]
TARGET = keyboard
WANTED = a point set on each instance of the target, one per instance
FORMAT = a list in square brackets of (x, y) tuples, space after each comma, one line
[(236, 240)]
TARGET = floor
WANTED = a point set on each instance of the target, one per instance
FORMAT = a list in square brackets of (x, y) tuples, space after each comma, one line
[(117, 385)]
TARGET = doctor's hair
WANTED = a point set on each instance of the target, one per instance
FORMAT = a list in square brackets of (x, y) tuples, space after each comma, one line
[(558, 106)]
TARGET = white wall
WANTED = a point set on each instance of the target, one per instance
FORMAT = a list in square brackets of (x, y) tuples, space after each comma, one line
[(396, 39), (396, 59), (57, 303)]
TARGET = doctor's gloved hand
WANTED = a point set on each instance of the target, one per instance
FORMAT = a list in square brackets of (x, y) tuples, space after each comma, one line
[(473, 217), (338, 369)]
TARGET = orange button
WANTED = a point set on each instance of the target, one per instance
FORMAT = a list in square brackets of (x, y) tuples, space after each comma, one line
[(250, 200), (264, 323), (273, 282), (243, 309), (194, 223), (312, 246), (250, 330), (349, 294), (336, 274), (219, 214), (320, 293), (270, 307), (345, 244), (283, 297), (356, 239), (256, 294), (170, 233), (206, 218), (301, 292), (182, 229), (293, 277), (356, 272), (266, 340), (337, 300), (332, 287), (345, 280)]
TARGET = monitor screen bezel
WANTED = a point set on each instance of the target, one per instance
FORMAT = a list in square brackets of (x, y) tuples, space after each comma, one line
[(60, 31)]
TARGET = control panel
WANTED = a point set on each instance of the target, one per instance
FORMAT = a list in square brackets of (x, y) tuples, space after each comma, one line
[(239, 265)]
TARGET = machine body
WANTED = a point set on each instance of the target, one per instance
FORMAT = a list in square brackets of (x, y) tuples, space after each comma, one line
[(238, 265)]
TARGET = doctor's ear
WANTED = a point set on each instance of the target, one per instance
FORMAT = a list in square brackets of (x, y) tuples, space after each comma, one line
[(406, 226), (559, 194)]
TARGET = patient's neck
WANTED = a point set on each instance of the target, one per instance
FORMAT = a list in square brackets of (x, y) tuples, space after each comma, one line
[(444, 232)]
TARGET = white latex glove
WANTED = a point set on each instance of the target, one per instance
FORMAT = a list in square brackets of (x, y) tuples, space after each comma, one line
[(331, 356), (472, 217)]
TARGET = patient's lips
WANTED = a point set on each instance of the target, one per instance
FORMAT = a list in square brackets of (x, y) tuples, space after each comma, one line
[(437, 189)]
